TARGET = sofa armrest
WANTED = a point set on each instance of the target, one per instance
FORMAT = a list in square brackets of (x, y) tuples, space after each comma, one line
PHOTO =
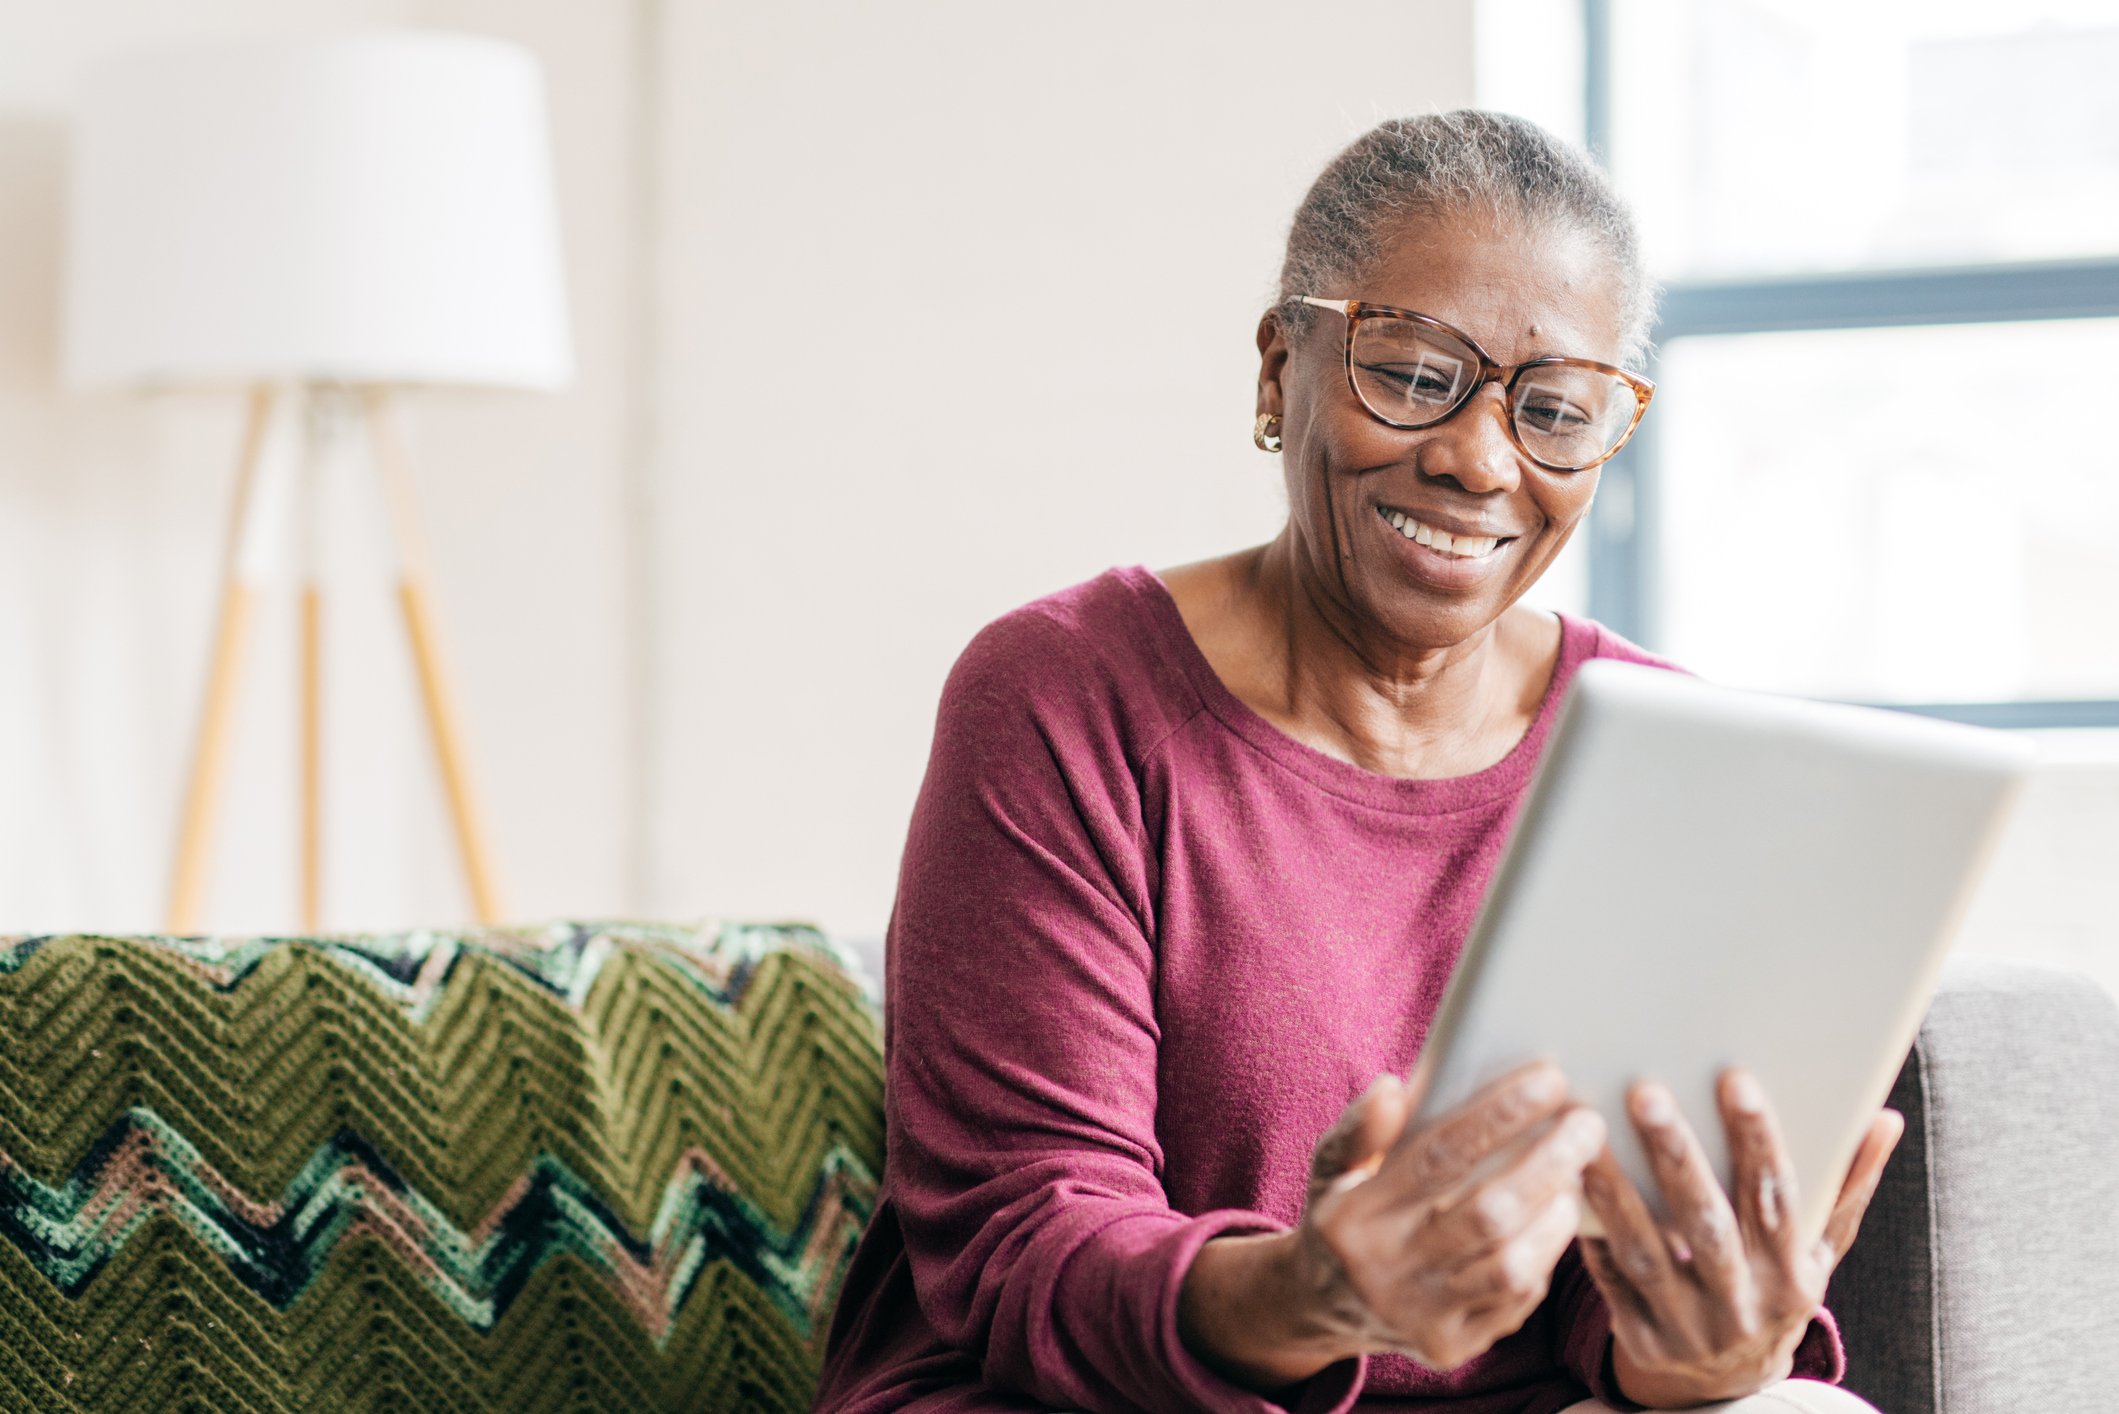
[(1986, 1277)]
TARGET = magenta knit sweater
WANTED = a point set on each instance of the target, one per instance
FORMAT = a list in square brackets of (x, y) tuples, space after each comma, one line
[(1146, 948)]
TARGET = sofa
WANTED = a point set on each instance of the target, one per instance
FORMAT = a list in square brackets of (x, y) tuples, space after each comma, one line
[(1986, 1276), (623, 1167)]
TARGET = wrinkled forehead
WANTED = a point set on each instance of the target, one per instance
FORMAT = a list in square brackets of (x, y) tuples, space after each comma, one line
[(1522, 289)]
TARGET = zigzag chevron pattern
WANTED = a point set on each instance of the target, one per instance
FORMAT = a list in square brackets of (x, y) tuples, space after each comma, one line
[(465, 1132), (142, 1167)]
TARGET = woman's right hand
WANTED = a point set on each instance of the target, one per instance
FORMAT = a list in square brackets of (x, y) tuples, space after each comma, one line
[(1432, 1244)]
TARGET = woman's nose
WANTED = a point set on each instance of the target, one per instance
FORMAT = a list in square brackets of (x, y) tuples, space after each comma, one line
[(1473, 448)]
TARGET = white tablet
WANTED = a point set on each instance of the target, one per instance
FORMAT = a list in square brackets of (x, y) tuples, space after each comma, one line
[(1703, 878)]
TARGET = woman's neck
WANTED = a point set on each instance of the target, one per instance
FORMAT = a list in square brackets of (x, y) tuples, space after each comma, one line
[(1293, 654)]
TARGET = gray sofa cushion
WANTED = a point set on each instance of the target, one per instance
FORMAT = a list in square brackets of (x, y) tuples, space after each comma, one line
[(1884, 1290), (1986, 1278)]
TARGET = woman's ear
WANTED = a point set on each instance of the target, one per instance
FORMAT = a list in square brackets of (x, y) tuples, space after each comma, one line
[(1272, 363)]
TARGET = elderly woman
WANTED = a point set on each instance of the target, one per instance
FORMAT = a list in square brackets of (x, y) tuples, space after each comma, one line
[(1196, 853)]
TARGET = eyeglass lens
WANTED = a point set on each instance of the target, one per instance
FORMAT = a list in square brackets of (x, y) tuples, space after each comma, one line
[(1413, 376)]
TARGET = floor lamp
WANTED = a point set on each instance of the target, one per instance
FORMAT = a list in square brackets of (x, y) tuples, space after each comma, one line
[(346, 217)]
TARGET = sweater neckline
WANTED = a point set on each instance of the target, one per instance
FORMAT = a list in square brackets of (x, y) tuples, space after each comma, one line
[(1505, 778)]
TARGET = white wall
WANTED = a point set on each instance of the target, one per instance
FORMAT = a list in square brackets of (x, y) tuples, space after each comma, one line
[(2052, 893), (958, 309)]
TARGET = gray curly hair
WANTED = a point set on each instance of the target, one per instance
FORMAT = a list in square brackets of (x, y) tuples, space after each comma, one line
[(1455, 163)]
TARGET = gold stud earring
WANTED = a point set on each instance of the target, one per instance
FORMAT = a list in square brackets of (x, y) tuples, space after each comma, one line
[(1258, 432)]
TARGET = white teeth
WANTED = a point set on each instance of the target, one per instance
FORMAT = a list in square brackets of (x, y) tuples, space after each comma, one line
[(1466, 547)]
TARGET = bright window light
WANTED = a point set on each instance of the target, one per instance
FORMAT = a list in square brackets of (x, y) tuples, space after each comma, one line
[(1895, 515), (1764, 136)]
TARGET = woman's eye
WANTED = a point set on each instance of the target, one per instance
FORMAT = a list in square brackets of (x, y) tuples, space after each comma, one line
[(1556, 416), (1422, 382)]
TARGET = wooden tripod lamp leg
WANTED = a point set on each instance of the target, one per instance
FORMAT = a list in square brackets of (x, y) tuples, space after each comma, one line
[(311, 665), (312, 756), (417, 601), (239, 593)]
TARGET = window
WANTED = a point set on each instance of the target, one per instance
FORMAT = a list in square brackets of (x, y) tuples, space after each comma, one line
[(1933, 533), (1762, 137), (1879, 465)]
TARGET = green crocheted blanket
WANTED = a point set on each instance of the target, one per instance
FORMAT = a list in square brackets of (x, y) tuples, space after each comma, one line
[(607, 1167)]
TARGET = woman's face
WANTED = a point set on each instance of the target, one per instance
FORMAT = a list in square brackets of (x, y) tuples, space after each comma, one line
[(1521, 295)]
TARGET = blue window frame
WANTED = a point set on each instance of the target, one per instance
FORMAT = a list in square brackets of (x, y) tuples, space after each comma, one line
[(1626, 556)]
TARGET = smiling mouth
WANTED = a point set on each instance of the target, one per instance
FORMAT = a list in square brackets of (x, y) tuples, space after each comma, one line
[(1457, 547)]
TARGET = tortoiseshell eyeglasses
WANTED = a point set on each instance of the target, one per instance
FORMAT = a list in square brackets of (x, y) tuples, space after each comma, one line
[(1410, 371)]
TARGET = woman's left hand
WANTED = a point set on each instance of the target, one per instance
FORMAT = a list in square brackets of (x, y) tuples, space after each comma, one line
[(1712, 1305)]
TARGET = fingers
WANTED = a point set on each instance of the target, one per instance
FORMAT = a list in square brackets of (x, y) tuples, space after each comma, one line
[(1365, 1131), (1863, 1175), (1432, 1160), (1633, 1243), (1492, 1296), (1714, 1245), (1628, 1305), (1763, 1179), (1499, 1208), (1518, 1268)]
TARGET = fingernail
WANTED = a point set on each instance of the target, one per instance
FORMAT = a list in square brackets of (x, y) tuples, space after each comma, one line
[(1652, 1105), (1585, 1133), (1544, 1085), (1746, 1094)]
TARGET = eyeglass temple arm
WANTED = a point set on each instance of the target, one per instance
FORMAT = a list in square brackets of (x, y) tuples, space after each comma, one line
[(1344, 306)]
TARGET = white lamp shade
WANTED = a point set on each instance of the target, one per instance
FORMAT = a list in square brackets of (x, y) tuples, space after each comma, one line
[(372, 208)]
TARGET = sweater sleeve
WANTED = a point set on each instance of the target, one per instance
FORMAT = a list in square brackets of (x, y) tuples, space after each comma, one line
[(1584, 1328), (1023, 1159)]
